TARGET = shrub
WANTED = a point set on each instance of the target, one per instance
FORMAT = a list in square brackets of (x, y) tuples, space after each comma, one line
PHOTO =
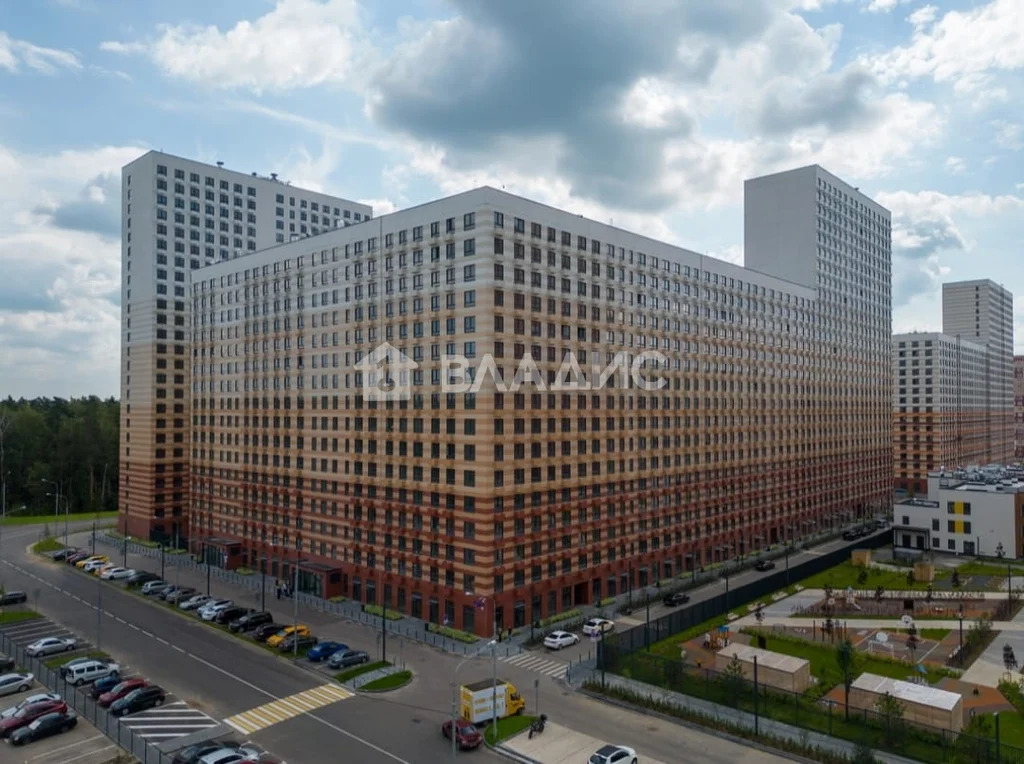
[(391, 615), (337, 598), (559, 617), (456, 634)]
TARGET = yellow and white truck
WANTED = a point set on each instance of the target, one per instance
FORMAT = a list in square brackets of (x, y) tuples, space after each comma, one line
[(479, 699)]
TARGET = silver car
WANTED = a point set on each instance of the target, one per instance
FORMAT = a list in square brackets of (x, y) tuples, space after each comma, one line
[(12, 683), (7, 713), (195, 601), (51, 645)]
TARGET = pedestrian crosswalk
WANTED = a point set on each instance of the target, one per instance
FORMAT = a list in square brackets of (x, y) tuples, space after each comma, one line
[(531, 662), (283, 709), (171, 720)]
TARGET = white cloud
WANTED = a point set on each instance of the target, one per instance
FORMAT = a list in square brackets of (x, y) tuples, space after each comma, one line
[(14, 54), (1009, 135), (883, 6), (955, 165), (961, 48), (298, 44)]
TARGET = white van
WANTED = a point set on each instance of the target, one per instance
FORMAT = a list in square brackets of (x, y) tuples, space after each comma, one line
[(90, 671)]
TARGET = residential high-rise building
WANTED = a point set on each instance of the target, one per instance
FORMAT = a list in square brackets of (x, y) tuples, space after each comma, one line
[(1018, 406), (179, 215), (982, 311), (953, 400), (520, 495)]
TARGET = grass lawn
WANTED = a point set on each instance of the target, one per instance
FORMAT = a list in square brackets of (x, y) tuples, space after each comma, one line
[(47, 545), (49, 518), (1011, 727), (826, 670), (987, 569), (57, 661), (13, 616), (355, 671), (845, 574), (507, 727), (389, 682)]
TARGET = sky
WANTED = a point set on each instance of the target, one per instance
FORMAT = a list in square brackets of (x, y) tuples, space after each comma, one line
[(648, 114)]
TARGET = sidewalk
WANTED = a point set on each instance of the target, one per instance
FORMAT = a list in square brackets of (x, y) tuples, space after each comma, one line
[(558, 745)]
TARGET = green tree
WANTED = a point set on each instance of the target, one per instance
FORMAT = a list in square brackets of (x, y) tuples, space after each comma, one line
[(846, 660), (863, 754), (974, 744), (891, 710), (732, 680)]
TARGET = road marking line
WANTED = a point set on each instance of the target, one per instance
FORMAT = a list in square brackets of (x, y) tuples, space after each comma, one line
[(84, 755)]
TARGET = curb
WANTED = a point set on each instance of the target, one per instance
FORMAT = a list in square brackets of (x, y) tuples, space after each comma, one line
[(725, 735), (406, 683), (508, 753)]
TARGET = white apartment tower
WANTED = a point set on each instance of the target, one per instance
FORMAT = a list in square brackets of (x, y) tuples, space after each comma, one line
[(179, 215), (982, 311)]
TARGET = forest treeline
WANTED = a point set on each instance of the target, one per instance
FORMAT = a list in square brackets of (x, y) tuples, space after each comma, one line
[(70, 442)]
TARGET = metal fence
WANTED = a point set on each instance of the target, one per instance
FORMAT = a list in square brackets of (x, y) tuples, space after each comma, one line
[(869, 727), (639, 637), (85, 706)]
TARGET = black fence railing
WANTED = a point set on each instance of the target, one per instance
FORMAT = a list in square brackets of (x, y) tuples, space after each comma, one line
[(85, 706), (639, 637)]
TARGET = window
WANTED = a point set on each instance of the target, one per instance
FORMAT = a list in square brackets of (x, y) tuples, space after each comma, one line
[(469, 273)]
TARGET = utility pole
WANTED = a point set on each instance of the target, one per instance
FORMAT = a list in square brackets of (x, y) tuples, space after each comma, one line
[(494, 669), (383, 625), (295, 601), (263, 582)]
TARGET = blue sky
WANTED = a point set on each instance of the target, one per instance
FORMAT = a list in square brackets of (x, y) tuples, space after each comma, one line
[(649, 113)]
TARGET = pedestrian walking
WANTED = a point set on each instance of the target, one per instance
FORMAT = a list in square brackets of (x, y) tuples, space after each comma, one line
[(277, 590)]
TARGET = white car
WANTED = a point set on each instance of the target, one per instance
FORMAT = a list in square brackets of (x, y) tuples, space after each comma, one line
[(613, 754), (115, 573), (12, 683), (556, 640), (195, 601), (90, 671), (210, 610), (223, 756), (597, 627), (7, 713), (51, 645), (94, 565)]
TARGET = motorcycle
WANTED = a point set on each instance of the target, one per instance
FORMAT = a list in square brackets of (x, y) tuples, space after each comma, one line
[(537, 725)]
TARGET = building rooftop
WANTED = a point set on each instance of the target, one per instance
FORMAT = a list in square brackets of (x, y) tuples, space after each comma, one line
[(908, 691), (915, 502), (765, 658)]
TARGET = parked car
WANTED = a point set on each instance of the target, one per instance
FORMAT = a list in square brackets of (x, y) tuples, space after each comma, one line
[(116, 573), (100, 569), (16, 682), (613, 754), (29, 714), (155, 588), (250, 621), (90, 671), (38, 697), (301, 629), (228, 614), (141, 577), (6, 662), (265, 631), (764, 565), (210, 610), (91, 566), (193, 753), (556, 640), (106, 684), (92, 558), (62, 555), (76, 557), (675, 599), (222, 756), (294, 643), (346, 658), (13, 598), (324, 650), (67, 666), (264, 757), (121, 689), (138, 699), (183, 593), (170, 591), (467, 736), (51, 645), (44, 726), (597, 627), (195, 601)]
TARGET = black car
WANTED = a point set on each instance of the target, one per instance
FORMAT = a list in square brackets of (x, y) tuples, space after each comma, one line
[(288, 643), (675, 599), (103, 685), (265, 631), (62, 554), (138, 700), (141, 577), (44, 726), (250, 621), (13, 598), (764, 565), (6, 663), (196, 751), (227, 615)]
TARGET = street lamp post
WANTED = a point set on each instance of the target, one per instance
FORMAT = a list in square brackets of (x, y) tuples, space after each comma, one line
[(295, 597), (263, 581), (494, 658), (960, 650), (454, 729), (56, 497), (383, 624)]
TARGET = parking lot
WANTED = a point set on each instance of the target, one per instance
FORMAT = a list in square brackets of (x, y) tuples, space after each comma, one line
[(82, 745)]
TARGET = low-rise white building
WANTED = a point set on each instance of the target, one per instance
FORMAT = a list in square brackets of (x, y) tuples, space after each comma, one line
[(975, 512)]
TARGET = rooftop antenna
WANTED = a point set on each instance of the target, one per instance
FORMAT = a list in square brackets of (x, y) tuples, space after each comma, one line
[(220, 164)]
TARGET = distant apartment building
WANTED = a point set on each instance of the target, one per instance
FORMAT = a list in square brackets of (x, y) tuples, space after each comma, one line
[(774, 419), (953, 391), (1018, 406), (177, 216)]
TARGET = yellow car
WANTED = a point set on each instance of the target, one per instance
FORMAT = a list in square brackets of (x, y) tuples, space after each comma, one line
[(100, 568), (94, 558), (286, 632)]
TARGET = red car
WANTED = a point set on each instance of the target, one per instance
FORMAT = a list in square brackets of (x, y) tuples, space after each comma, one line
[(118, 691), (29, 714), (466, 734)]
